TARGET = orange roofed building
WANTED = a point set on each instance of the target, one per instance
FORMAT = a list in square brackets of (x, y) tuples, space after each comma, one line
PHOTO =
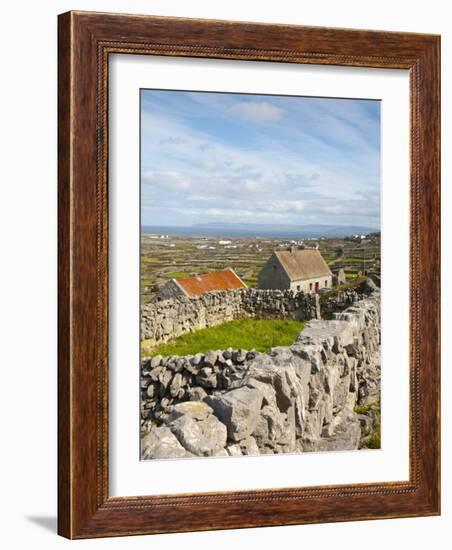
[(227, 279)]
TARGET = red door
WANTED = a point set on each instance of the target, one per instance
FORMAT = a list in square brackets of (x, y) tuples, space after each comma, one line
[(316, 287)]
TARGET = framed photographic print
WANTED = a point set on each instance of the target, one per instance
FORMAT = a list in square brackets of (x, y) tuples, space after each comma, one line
[(248, 275)]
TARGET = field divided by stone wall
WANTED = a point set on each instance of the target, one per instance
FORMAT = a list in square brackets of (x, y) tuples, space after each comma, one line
[(322, 393), (162, 321)]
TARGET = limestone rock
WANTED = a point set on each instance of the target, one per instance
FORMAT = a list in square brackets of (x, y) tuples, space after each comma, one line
[(196, 409), (156, 361), (176, 384), (151, 390), (270, 427), (234, 450), (162, 443), (248, 446), (207, 378), (346, 437), (238, 409), (196, 394), (202, 438), (210, 358)]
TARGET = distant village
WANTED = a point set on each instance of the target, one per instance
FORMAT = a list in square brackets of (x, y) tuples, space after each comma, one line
[(187, 265)]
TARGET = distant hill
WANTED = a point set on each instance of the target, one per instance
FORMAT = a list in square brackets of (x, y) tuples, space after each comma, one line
[(262, 230)]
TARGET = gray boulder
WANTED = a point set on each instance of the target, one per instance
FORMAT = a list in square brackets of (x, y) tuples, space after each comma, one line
[(248, 446), (270, 427), (196, 394), (162, 443), (176, 384), (239, 410), (155, 361), (234, 450), (200, 437), (207, 378), (346, 437), (196, 409), (210, 358)]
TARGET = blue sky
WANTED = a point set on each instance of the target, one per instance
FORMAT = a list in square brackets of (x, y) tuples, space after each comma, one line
[(210, 157)]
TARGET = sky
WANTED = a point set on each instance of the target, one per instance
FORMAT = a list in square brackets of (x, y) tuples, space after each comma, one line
[(240, 158)]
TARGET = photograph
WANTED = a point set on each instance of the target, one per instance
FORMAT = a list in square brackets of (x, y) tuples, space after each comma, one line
[(259, 274)]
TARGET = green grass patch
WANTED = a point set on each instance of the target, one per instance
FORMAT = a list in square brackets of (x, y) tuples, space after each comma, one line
[(147, 282), (176, 274), (258, 334), (148, 260), (357, 259), (363, 409), (373, 440)]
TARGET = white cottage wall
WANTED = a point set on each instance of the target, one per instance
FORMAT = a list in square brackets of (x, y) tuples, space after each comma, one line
[(325, 281)]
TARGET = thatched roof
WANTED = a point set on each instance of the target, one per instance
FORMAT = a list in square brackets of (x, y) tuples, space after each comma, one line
[(303, 264), (216, 280)]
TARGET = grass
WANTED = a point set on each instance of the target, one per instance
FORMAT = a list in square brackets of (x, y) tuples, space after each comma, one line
[(364, 409), (374, 438), (147, 282), (258, 334), (176, 274), (355, 259), (149, 260)]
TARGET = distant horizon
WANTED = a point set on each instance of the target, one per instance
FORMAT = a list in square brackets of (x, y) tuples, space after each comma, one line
[(301, 226), (250, 158), (279, 231)]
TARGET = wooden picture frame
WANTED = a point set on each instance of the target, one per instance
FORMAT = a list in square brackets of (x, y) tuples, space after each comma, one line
[(86, 40)]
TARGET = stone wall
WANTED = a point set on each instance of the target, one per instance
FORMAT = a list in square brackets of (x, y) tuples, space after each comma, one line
[(295, 399), (339, 301), (163, 320)]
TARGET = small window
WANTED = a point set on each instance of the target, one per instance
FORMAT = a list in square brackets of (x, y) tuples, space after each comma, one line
[(298, 288), (326, 283), (310, 286), (274, 267)]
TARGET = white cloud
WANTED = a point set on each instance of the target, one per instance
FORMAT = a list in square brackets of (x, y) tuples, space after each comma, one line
[(167, 179), (192, 170), (257, 111)]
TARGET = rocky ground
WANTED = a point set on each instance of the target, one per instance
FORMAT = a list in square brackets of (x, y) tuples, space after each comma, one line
[(320, 394)]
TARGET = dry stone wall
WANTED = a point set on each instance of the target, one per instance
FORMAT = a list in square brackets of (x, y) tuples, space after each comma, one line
[(163, 320), (339, 302), (295, 399)]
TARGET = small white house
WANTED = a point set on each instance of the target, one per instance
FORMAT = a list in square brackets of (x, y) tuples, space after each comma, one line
[(298, 270)]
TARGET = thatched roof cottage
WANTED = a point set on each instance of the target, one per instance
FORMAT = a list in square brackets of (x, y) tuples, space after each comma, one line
[(298, 270)]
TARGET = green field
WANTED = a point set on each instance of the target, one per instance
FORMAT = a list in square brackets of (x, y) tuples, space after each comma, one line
[(177, 274), (258, 334), (177, 256)]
